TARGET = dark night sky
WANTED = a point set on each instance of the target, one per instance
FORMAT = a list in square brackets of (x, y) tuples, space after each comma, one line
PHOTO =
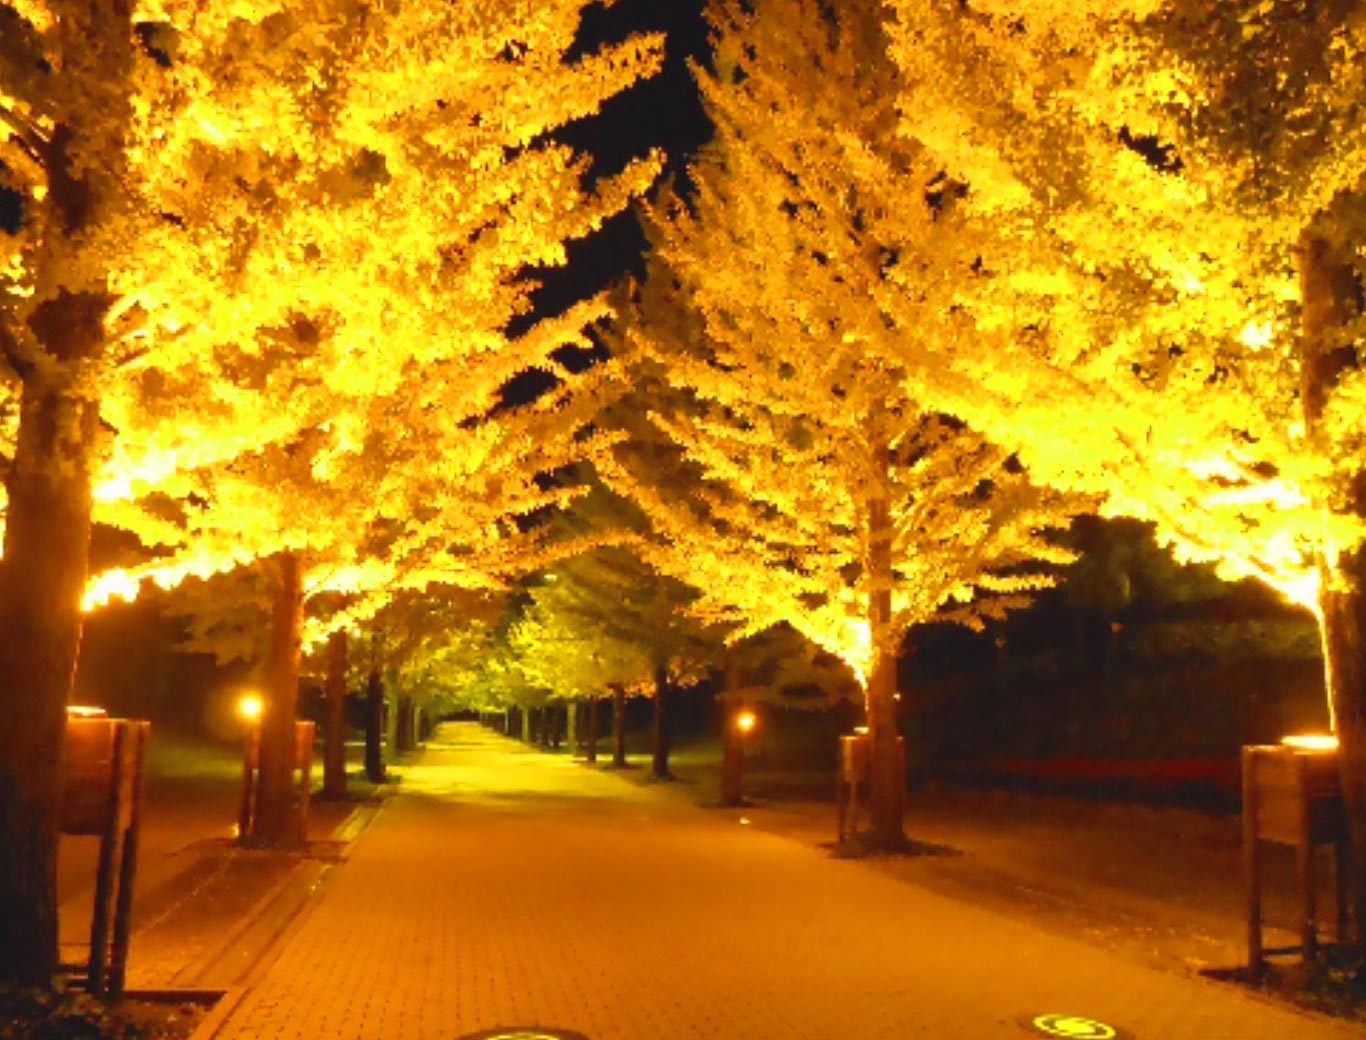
[(663, 112)]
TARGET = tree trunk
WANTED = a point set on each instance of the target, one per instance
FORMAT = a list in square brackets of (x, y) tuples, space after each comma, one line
[(1328, 289), (374, 728), (407, 724), (592, 752), (619, 728), (571, 726), (886, 771), (277, 818), (391, 720), (47, 539), (659, 758), (732, 742), (732, 759), (47, 521), (526, 724), (334, 719)]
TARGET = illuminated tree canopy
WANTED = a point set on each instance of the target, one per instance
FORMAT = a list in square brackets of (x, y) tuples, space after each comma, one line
[(271, 256), (822, 494), (1141, 177)]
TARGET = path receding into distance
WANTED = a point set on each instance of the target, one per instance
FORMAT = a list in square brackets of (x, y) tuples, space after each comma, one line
[(502, 887)]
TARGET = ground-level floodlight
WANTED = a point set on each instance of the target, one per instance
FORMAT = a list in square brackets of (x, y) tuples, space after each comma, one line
[(250, 706), (1311, 742), (745, 721)]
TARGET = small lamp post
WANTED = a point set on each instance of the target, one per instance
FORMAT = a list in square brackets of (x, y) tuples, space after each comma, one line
[(249, 708), (742, 723)]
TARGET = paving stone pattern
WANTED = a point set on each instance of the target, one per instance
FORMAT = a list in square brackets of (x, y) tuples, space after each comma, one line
[(504, 887)]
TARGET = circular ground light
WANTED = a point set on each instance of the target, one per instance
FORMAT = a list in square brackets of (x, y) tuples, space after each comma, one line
[(525, 1033), (1073, 1027)]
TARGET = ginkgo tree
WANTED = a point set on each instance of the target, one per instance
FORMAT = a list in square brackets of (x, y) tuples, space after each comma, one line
[(244, 226), (1168, 203), (807, 486)]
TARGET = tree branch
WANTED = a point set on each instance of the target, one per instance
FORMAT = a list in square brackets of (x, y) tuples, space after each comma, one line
[(33, 140), (9, 349)]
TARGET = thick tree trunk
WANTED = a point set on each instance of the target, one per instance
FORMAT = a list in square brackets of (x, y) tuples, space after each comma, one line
[(1343, 627), (886, 772), (47, 538), (619, 728), (47, 521), (1329, 292), (526, 724), (659, 737), (592, 747), (334, 719), (732, 742), (374, 728), (571, 726), (277, 818)]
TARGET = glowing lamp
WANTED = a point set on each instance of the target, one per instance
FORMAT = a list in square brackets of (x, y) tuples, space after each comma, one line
[(745, 721), (85, 711), (1311, 742), (250, 707)]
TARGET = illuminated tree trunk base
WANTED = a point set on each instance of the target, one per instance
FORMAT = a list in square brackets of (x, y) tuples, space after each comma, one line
[(1329, 291), (659, 758), (374, 729), (886, 767), (886, 771), (732, 738), (276, 822), (571, 726), (732, 759), (1344, 647), (334, 719), (47, 539), (619, 728), (592, 744)]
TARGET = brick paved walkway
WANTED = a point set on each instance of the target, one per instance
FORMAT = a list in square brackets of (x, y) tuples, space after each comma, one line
[(508, 888)]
